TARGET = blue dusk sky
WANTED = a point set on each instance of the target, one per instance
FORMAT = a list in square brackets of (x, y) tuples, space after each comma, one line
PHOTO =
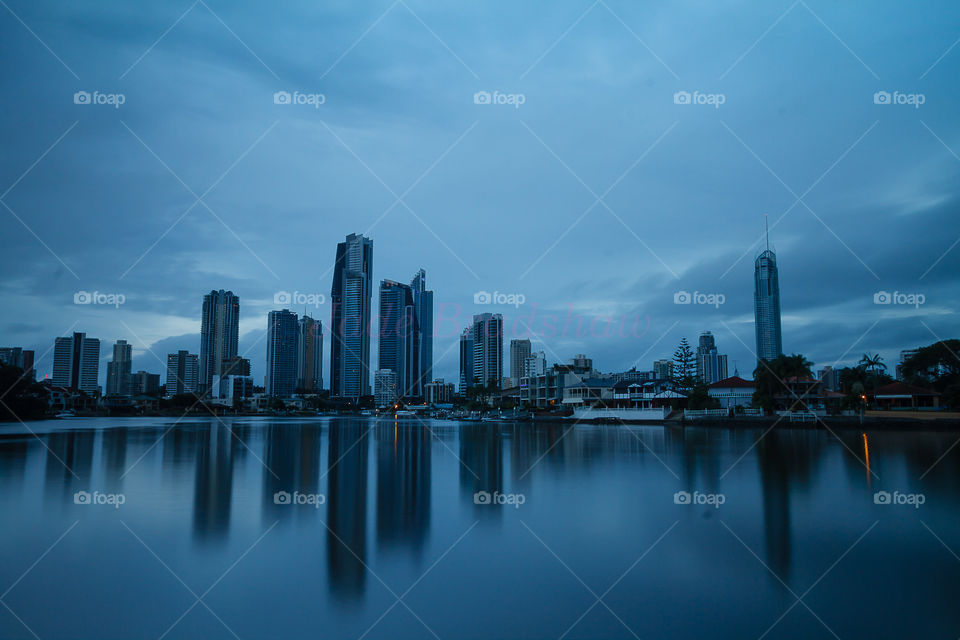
[(591, 159)]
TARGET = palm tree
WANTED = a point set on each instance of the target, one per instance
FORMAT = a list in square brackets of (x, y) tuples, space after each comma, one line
[(872, 363)]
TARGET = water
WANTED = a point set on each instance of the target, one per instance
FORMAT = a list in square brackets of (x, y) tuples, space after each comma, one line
[(587, 543)]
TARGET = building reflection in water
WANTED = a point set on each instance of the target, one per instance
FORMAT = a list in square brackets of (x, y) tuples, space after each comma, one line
[(114, 443), (403, 484), (213, 484), (481, 471), (69, 463), (347, 455)]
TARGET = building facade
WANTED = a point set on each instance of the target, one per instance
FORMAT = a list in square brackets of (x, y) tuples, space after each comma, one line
[(350, 318), (19, 357), (183, 373), (466, 360), (282, 333), (711, 366), (423, 310), (143, 383), (520, 350), (309, 354), (119, 369), (438, 392), (488, 348), (219, 334), (386, 389), (766, 305), (76, 363)]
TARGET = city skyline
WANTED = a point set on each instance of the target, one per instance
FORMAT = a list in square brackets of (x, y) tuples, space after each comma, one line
[(876, 178)]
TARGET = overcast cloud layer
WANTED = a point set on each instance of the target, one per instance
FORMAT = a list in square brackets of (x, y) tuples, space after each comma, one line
[(598, 198)]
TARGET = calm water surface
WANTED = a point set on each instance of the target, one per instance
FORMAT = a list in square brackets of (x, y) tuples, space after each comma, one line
[(350, 528)]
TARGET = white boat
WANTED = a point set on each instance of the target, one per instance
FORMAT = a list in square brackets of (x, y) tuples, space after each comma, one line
[(66, 414)]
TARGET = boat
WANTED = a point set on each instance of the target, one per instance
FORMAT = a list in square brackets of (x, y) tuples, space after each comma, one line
[(366, 412), (66, 414), (400, 413)]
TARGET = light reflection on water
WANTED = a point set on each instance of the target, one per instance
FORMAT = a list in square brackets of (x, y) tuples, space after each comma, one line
[(398, 518)]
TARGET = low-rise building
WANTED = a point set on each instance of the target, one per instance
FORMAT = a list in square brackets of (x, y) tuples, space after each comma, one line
[(732, 392)]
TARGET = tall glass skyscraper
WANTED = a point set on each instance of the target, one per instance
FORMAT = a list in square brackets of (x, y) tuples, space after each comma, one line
[(350, 318), (488, 348), (766, 305), (219, 334), (423, 309), (76, 362), (282, 330), (118, 370), (309, 354)]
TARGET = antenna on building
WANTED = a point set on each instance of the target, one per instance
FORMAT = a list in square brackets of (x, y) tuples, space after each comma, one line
[(766, 224)]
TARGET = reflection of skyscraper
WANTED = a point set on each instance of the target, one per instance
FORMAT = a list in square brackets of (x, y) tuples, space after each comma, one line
[(481, 470), (309, 354), (282, 331), (350, 318), (118, 370), (219, 334), (213, 484), (766, 304), (403, 484), (347, 454), (76, 362)]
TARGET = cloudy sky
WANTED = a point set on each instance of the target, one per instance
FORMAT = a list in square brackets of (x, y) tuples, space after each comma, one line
[(589, 184)]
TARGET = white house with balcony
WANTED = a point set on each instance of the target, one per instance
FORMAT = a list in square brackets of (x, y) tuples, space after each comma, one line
[(733, 392)]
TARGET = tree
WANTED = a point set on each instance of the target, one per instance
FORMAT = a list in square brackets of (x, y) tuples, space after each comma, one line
[(700, 398), (872, 363), (770, 378), (684, 365), (22, 398), (936, 366)]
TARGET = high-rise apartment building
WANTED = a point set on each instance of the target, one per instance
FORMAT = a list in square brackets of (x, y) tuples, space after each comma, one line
[(663, 369), (423, 312), (386, 389), (350, 318), (466, 359), (309, 354), (119, 368), (766, 304), (520, 350), (76, 363), (282, 333), (219, 334), (183, 373), (711, 365), (488, 348)]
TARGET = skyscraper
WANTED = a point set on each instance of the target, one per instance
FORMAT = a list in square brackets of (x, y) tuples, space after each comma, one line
[(466, 359), (282, 330), (76, 362), (219, 334), (399, 344), (488, 348), (350, 318), (423, 308), (520, 350), (766, 304), (183, 373), (309, 354), (711, 365), (118, 369), (19, 357)]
